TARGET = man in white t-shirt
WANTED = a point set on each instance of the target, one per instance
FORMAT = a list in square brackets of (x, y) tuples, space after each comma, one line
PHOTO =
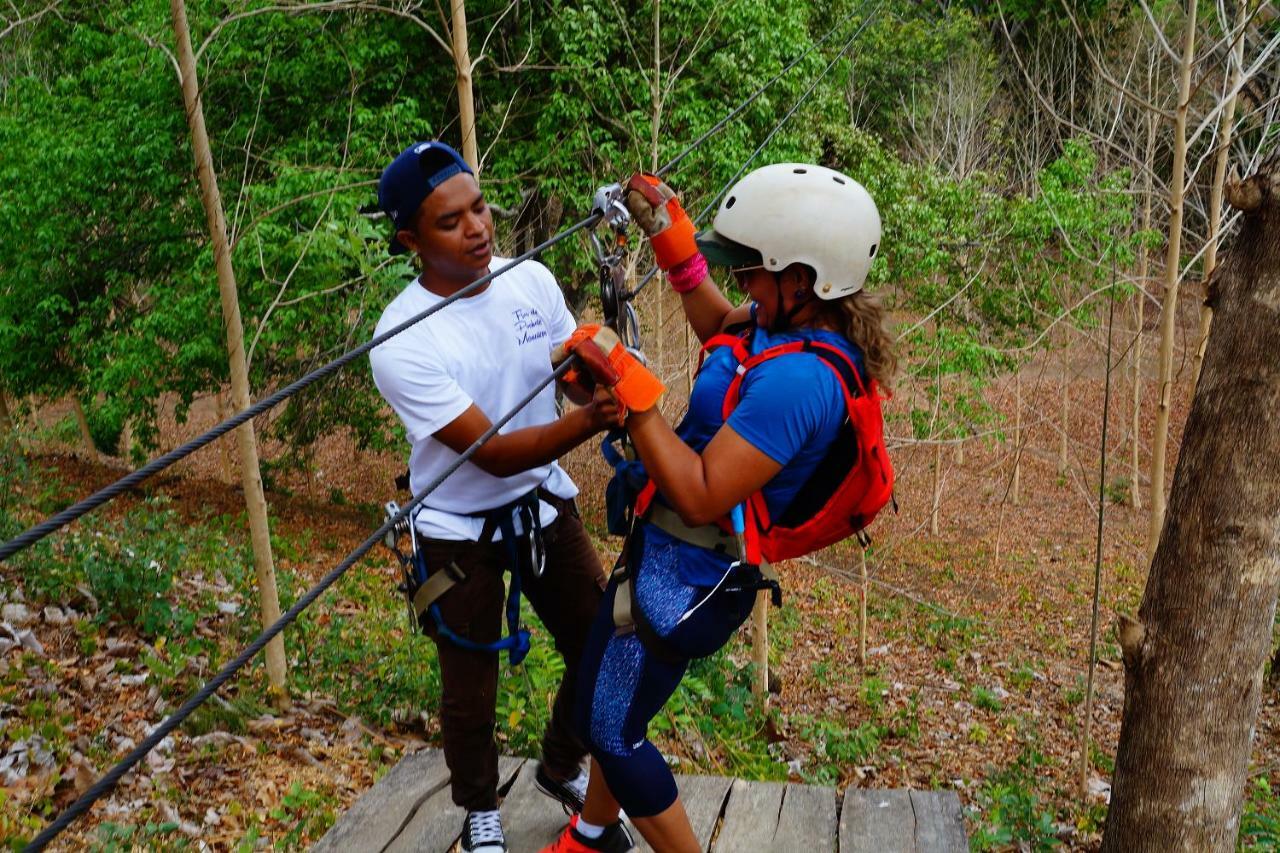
[(448, 377)]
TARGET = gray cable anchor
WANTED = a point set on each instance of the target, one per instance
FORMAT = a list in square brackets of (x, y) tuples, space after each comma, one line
[(614, 295)]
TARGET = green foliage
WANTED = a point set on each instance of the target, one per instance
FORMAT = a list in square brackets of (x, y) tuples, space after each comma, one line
[(1260, 824), (986, 699), (306, 814), (836, 746), (1008, 811)]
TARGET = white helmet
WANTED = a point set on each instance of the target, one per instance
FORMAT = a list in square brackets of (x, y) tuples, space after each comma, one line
[(798, 213)]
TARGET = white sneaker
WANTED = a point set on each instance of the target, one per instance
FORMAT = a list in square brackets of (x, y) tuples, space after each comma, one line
[(482, 833)]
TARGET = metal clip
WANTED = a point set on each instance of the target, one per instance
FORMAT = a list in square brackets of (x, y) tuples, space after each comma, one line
[(608, 203)]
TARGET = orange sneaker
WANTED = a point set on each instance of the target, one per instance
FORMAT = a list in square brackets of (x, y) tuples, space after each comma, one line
[(614, 839)]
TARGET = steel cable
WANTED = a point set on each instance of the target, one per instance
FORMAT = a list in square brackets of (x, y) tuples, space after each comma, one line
[(112, 777), (109, 780), (653, 271), (155, 466), (718, 126)]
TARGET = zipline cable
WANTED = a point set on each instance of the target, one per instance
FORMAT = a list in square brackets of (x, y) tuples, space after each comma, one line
[(108, 781), (112, 777), (653, 271), (718, 126), (155, 466)]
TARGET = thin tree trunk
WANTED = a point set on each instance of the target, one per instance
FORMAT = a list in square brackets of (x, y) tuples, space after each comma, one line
[(1017, 439), (6, 419), (1062, 432), (250, 476), (1144, 259), (227, 443), (760, 644), (1169, 307), (82, 421), (126, 442), (937, 488), (1215, 189), (1194, 657), (862, 610), (466, 100)]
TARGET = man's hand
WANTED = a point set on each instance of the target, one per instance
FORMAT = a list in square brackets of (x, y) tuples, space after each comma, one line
[(656, 209), (603, 411)]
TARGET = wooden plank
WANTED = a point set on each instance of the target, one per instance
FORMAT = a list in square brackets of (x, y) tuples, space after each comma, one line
[(939, 822), (437, 823), (530, 818), (703, 799), (877, 821), (380, 813), (807, 821), (750, 816)]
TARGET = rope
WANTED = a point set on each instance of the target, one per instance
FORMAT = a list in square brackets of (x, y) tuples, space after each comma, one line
[(653, 271), (112, 777), (97, 499), (718, 126)]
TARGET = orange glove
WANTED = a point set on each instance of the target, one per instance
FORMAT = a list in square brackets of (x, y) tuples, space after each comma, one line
[(656, 208), (611, 364)]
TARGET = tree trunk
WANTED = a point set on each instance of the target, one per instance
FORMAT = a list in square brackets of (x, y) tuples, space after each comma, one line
[(1194, 659), (1017, 439), (1169, 307), (250, 476), (862, 610), (6, 419), (82, 421), (1215, 189), (466, 101), (1135, 431), (937, 489), (760, 644), (1062, 431), (227, 443)]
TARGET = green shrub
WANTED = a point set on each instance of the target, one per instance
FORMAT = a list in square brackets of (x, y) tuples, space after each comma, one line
[(1009, 812)]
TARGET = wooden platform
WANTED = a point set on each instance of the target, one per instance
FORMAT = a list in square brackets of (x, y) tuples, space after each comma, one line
[(410, 810)]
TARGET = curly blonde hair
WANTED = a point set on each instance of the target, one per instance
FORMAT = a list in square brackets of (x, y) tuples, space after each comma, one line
[(862, 318)]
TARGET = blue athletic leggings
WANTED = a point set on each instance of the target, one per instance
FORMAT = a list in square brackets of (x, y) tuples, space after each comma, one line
[(623, 685)]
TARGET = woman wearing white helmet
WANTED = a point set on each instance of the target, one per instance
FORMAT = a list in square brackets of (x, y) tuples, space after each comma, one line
[(769, 433)]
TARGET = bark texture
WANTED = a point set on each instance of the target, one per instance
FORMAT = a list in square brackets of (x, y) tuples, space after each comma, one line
[(1194, 657), (250, 476)]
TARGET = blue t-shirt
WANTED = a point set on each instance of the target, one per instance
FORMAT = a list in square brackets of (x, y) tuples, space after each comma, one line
[(790, 408)]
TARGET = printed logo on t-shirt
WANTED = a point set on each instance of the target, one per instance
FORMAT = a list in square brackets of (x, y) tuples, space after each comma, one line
[(529, 325)]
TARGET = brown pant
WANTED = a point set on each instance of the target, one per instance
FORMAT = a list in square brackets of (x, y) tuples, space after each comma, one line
[(565, 599)]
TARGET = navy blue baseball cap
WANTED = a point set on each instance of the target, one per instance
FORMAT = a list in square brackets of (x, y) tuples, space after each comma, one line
[(410, 178)]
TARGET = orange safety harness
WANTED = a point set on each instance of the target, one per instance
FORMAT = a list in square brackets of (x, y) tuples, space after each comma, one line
[(849, 487)]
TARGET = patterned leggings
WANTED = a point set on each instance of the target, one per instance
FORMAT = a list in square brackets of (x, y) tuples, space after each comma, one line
[(623, 685)]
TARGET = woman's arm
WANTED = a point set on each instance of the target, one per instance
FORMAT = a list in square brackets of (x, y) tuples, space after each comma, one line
[(708, 311), (700, 488)]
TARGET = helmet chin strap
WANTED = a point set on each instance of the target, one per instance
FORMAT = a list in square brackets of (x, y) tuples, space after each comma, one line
[(781, 321)]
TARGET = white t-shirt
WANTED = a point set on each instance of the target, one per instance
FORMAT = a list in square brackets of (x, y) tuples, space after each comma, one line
[(489, 349)]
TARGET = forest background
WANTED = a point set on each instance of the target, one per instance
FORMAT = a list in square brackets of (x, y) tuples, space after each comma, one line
[(1024, 158)]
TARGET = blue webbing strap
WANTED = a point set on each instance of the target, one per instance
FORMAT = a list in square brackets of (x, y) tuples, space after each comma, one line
[(517, 641)]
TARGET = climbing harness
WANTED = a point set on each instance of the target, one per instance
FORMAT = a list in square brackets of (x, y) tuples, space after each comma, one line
[(422, 586), (29, 537), (848, 488)]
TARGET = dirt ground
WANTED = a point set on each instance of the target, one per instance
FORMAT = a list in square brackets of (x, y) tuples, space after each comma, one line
[(981, 630)]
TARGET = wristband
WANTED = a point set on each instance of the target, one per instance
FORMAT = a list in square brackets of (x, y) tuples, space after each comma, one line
[(685, 277)]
